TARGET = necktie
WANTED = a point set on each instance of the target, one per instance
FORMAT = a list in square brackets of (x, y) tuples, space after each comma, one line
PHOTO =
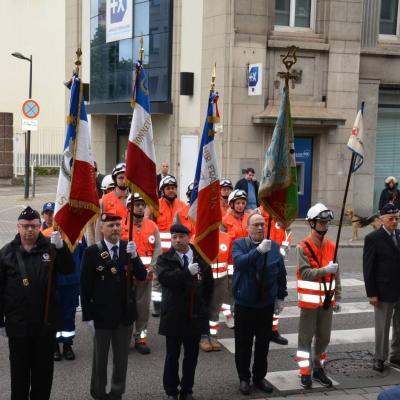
[(185, 261), (115, 253)]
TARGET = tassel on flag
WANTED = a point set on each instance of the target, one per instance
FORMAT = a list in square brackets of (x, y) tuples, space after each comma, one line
[(355, 143), (76, 201), (205, 210), (141, 173)]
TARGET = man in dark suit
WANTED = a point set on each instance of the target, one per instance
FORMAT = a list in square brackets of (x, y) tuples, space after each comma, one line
[(381, 265), (163, 173), (187, 285), (250, 186), (108, 304)]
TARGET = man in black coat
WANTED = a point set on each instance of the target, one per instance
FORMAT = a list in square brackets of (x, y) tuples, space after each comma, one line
[(26, 317), (187, 285), (250, 186), (381, 265), (108, 304)]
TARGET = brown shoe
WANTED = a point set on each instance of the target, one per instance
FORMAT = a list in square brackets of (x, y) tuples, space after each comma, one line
[(216, 346), (205, 344)]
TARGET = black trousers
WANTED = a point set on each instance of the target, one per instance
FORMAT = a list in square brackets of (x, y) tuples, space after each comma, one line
[(171, 368), (252, 323), (31, 362)]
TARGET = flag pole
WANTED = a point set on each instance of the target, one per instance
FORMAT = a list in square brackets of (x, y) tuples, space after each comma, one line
[(345, 197)]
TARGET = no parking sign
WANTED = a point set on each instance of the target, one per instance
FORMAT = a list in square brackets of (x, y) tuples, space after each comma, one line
[(30, 110)]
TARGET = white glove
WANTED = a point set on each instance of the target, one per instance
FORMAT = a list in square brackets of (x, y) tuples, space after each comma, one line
[(331, 268), (3, 332), (90, 326), (279, 306), (56, 240), (193, 268), (337, 307), (131, 249), (264, 246)]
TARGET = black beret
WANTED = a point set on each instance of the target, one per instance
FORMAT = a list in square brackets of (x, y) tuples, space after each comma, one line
[(179, 228), (110, 217), (29, 214), (389, 209)]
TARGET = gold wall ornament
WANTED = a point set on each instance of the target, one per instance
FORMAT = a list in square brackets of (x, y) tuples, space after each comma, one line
[(289, 59)]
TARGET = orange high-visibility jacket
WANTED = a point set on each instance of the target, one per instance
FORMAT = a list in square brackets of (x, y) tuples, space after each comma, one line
[(311, 294), (236, 228), (114, 205), (220, 267)]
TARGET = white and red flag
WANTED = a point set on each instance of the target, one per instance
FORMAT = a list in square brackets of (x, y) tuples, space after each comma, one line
[(205, 208), (356, 140), (141, 157), (76, 201)]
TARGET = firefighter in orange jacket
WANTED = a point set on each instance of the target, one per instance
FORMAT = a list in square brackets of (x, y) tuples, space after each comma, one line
[(319, 293), (182, 215), (220, 293), (235, 219), (168, 206), (147, 238), (278, 235)]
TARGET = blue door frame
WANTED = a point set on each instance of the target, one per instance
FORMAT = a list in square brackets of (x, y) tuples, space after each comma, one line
[(304, 155)]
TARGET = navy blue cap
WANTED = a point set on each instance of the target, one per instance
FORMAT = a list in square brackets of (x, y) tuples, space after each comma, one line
[(179, 228), (29, 214), (388, 209), (48, 207)]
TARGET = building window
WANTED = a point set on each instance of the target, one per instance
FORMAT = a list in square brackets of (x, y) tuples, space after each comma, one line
[(295, 14), (389, 21)]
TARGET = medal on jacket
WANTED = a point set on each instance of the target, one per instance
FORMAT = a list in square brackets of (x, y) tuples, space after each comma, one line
[(113, 270), (25, 282)]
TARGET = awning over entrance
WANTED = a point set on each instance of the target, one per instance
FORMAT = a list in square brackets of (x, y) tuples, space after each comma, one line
[(302, 115)]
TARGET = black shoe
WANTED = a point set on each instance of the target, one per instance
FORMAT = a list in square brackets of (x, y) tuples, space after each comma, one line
[(57, 356), (186, 396), (244, 387), (395, 362), (68, 352), (306, 381), (378, 366), (320, 376), (172, 397), (277, 338), (264, 386)]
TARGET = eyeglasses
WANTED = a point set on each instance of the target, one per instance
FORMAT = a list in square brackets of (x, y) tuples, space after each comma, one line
[(29, 226)]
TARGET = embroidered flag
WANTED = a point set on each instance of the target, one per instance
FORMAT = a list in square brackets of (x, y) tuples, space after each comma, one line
[(355, 143)]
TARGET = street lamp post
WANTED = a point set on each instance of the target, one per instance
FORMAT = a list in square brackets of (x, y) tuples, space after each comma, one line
[(28, 134)]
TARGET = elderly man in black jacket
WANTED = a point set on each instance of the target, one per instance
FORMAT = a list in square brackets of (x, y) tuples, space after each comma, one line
[(26, 317), (187, 284), (108, 304), (381, 265)]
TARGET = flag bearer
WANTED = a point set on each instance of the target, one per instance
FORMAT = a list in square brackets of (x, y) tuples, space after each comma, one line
[(317, 279)]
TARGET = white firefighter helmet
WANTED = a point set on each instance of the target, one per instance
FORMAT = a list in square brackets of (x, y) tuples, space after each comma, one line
[(167, 180), (319, 211), (107, 182), (136, 197), (235, 195), (120, 167)]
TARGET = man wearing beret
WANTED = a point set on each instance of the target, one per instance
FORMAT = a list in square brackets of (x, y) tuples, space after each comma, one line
[(108, 303), (381, 265), (28, 266), (187, 285)]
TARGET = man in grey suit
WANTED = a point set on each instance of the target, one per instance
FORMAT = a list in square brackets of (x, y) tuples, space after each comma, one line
[(381, 265)]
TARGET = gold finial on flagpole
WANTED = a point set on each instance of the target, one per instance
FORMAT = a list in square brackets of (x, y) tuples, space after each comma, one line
[(78, 62), (141, 50), (289, 59), (213, 77)]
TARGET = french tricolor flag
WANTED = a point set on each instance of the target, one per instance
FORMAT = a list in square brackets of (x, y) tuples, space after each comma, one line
[(205, 208), (76, 200), (141, 157)]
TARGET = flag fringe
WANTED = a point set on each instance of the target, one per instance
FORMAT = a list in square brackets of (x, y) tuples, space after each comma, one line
[(207, 231), (134, 188)]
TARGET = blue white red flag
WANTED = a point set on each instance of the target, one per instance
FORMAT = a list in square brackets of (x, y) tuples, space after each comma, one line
[(355, 143), (76, 201), (141, 173), (205, 208)]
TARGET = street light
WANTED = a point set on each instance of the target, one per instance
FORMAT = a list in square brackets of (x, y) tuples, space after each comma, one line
[(28, 136)]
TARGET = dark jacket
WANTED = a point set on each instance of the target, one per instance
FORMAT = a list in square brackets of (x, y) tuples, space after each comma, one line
[(242, 185), (22, 307), (185, 299), (387, 195), (381, 266), (250, 267), (104, 294)]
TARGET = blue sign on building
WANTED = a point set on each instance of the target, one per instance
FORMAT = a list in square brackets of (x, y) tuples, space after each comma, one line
[(117, 10)]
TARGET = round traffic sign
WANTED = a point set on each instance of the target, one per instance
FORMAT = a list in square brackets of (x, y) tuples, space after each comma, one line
[(30, 109)]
